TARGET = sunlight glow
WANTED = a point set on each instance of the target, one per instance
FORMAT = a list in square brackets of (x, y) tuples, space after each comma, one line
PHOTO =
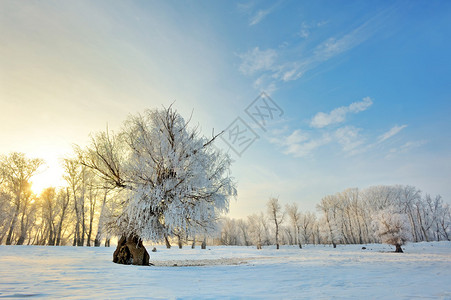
[(49, 176)]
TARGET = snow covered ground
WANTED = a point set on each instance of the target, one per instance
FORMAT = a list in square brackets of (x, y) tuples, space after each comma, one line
[(315, 272)]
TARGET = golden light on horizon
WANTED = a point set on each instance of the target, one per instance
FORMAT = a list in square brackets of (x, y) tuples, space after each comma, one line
[(49, 176)]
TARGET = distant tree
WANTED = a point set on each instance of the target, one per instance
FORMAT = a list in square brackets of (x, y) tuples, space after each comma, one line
[(229, 232), (276, 215), (244, 232), (73, 177), (392, 227), (174, 180), (62, 203), (103, 216), (256, 229), (17, 171), (48, 201), (5, 213), (306, 226), (329, 223), (294, 215)]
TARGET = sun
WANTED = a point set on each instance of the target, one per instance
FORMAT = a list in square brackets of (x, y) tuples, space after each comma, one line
[(51, 176)]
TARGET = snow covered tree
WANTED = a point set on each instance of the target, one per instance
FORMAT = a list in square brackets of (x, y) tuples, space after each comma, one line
[(392, 227), (173, 179), (294, 215), (17, 171), (306, 226), (276, 215), (243, 229), (256, 229), (329, 223)]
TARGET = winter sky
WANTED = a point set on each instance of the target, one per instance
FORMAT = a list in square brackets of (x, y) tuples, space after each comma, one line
[(362, 87)]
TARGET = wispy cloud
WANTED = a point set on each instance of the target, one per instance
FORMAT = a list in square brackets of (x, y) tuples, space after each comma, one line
[(307, 28), (338, 115), (261, 14), (295, 61), (406, 147), (257, 60), (305, 147), (392, 132), (349, 138), (301, 143), (326, 50)]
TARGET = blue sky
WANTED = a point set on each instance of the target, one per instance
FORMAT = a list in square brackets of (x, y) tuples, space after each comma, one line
[(363, 85)]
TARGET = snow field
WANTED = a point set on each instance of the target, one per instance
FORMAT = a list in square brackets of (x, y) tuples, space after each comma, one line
[(315, 272)]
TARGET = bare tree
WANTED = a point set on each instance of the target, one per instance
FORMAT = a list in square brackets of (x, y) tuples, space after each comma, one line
[(276, 215), (244, 231), (17, 171), (294, 215), (102, 216), (48, 202), (306, 226), (63, 201), (73, 179), (229, 232), (256, 229), (329, 224)]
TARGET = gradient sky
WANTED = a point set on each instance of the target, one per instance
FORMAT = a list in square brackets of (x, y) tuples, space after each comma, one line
[(364, 86)]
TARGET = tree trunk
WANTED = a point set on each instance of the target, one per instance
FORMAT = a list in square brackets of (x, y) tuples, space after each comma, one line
[(88, 243), (166, 240), (107, 242), (131, 251), (398, 249), (204, 243), (97, 240), (23, 232), (100, 224), (180, 242), (21, 240), (194, 243), (58, 235), (11, 230)]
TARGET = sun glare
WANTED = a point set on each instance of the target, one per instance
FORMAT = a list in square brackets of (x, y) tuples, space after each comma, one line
[(50, 176)]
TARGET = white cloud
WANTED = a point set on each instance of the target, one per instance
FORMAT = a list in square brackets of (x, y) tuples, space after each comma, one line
[(348, 137), (296, 137), (260, 15), (290, 75), (294, 68), (307, 147), (393, 131), (299, 143), (265, 83), (338, 115), (257, 60), (321, 119), (357, 107)]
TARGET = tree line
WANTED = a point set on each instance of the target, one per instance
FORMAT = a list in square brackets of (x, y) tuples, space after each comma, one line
[(72, 215), (372, 215)]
